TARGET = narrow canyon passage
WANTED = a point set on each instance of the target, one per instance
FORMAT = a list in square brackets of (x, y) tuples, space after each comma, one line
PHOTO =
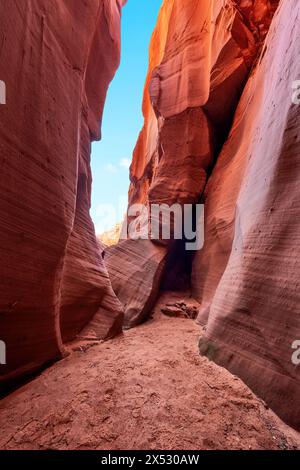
[(146, 389), (90, 358)]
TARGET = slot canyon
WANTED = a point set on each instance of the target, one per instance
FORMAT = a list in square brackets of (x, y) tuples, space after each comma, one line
[(144, 344)]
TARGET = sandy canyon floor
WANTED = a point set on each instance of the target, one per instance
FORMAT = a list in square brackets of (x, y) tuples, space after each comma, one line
[(147, 389)]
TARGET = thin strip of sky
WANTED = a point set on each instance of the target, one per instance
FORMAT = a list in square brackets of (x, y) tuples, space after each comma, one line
[(122, 120)]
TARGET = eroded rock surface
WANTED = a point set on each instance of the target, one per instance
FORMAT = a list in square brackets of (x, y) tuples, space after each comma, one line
[(56, 58), (136, 269), (246, 278), (55, 285), (201, 54)]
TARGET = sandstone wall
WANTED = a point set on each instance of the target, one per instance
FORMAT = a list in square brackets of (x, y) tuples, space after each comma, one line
[(203, 56), (201, 53), (212, 72), (246, 278), (57, 58)]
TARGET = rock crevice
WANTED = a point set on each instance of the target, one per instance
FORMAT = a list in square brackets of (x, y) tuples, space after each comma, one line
[(199, 103)]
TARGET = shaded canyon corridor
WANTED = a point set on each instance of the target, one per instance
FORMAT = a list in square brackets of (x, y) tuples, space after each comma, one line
[(142, 345)]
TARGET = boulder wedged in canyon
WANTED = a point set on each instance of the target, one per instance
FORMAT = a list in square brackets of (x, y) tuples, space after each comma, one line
[(246, 277), (200, 56), (65, 55), (135, 269)]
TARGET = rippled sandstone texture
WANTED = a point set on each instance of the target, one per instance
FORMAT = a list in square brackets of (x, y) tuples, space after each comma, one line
[(54, 284), (246, 277), (201, 54), (57, 58)]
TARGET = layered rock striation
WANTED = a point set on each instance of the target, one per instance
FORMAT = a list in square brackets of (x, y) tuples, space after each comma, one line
[(221, 128), (53, 279), (246, 277), (201, 53)]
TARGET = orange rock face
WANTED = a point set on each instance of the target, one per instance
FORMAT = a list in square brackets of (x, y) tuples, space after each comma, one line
[(136, 268), (201, 53), (220, 128), (53, 279), (246, 278)]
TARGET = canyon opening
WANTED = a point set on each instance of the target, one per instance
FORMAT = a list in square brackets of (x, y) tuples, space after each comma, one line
[(158, 312)]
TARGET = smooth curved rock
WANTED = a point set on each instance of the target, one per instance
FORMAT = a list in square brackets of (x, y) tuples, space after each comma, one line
[(201, 53), (64, 56), (136, 268), (246, 278)]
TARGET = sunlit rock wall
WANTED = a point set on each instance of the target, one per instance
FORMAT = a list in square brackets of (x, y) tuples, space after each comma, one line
[(201, 54)]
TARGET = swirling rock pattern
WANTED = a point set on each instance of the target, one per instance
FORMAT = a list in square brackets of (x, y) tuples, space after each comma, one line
[(201, 54), (246, 278), (53, 279)]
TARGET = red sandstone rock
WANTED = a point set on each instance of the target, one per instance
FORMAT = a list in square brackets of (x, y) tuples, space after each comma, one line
[(54, 280), (200, 56), (200, 51), (57, 59), (246, 278), (136, 268), (111, 237)]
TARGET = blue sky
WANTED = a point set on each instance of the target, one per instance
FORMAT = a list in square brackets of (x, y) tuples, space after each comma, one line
[(122, 120)]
